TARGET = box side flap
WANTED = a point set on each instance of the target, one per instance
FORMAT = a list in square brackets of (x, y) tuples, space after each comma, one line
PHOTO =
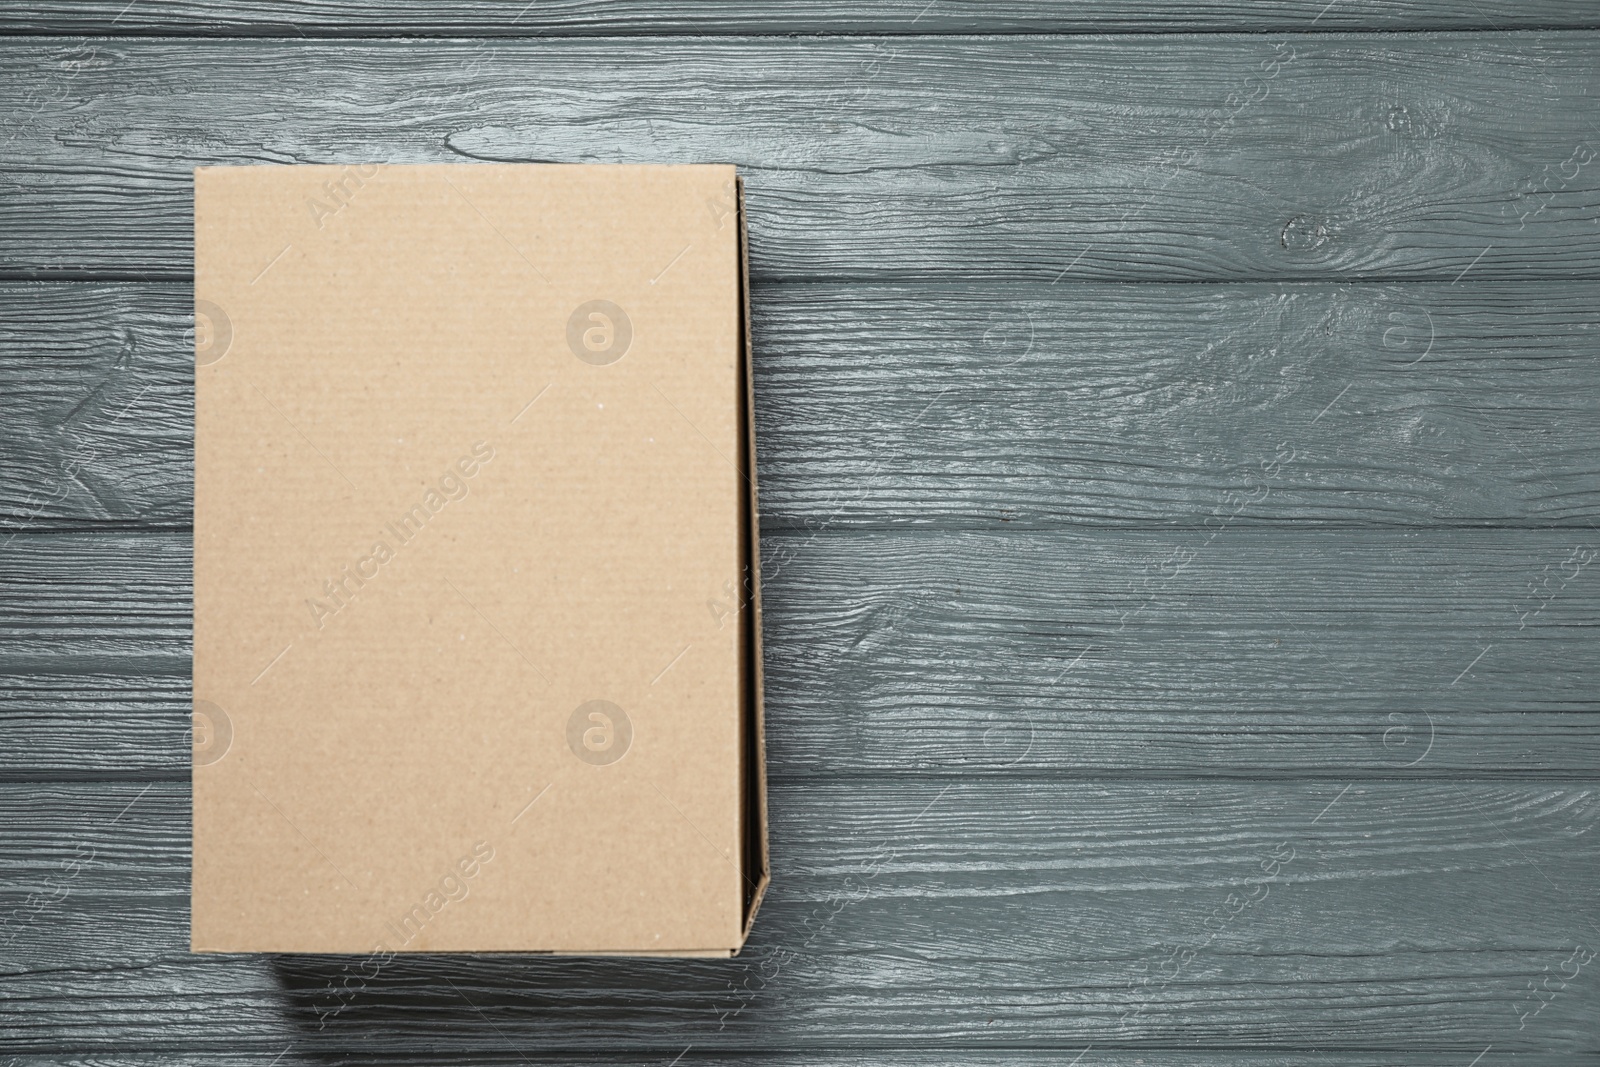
[(756, 855)]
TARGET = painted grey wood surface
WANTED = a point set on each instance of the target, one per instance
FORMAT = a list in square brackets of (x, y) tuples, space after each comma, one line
[(837, 1058), (966, 405), (816, 1058), (366, 18), (1179, 472), (1269, 653), (1394, 915), (831, 1058), (1033, 158), (824, 1058)]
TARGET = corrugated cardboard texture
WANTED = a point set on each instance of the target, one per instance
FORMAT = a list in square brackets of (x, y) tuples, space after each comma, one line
[(470, 546)]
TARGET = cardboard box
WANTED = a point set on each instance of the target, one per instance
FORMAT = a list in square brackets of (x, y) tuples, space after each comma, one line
[(477, 632)]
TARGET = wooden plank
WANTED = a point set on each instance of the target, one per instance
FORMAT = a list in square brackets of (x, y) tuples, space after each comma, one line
[(131, 720), (917, 914), (353, 18), (1260, 652), (1038, 404), (97, 396), (298, 1056), (1321, 156), (293, 1055), (976, 405)]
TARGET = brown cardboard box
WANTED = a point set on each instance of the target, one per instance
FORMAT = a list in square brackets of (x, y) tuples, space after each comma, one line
[(476, 651)]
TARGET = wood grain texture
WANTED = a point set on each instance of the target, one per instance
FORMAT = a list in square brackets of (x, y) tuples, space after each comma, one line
[(293, 1055), (1086, 600), (976, 406), (1397, 916), (1111, 652), (584, 17), (1025, 158), (130, 720), (1037, 404)]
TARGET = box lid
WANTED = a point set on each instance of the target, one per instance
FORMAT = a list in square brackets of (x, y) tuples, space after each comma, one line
[(471, 529)]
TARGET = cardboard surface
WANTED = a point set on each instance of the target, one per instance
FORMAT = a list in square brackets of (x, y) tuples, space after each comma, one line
[(476, 663)]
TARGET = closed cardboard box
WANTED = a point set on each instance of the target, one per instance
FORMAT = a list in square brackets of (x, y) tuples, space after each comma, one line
[(476, 655)]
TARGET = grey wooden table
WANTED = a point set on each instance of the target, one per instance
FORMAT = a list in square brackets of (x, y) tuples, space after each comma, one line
[(1178, 442)]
